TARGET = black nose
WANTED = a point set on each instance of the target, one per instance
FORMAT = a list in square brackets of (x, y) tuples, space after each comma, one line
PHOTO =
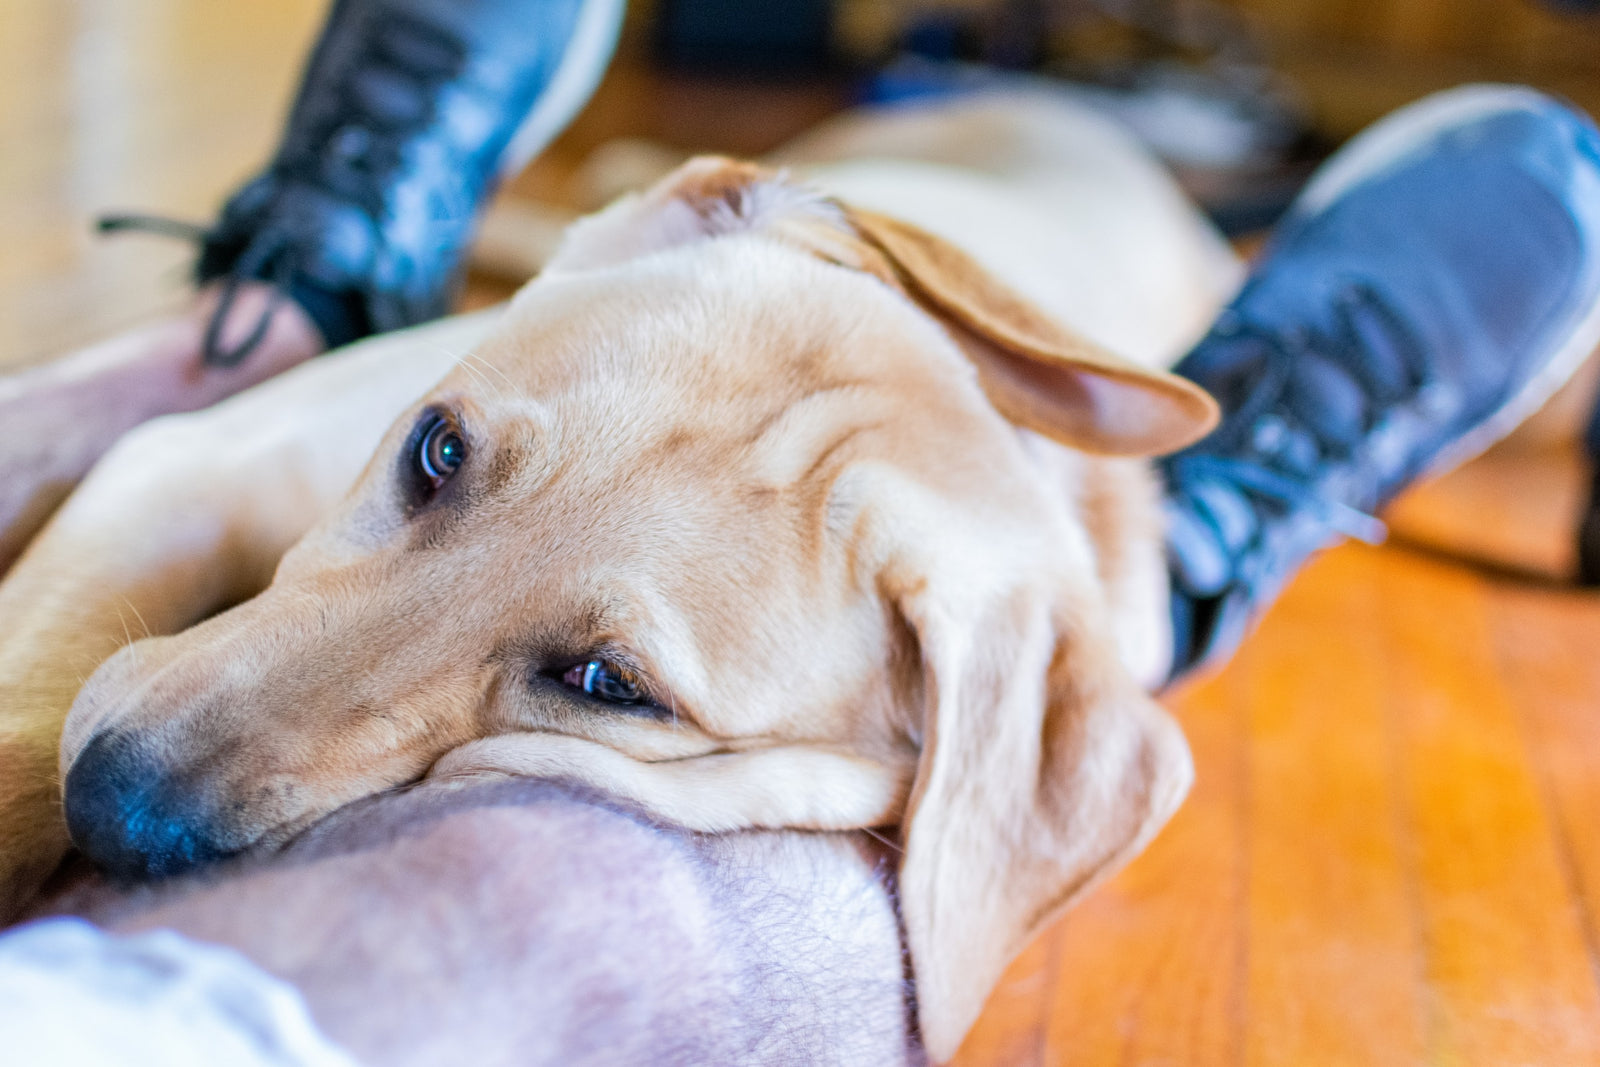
[(127, 816)]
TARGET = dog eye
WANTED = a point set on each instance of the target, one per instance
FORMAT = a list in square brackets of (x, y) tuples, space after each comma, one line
[(440, 451), (608, 681)]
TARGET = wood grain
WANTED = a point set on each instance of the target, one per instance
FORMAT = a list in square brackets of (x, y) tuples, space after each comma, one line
[(1327, 849), (1517, 991), (1152, 966), (1389, 857)]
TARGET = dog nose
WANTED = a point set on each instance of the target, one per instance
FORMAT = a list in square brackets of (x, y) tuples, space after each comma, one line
[(125, 814)]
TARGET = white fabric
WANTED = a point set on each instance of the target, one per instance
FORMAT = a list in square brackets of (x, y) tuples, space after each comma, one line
[(73, 994)]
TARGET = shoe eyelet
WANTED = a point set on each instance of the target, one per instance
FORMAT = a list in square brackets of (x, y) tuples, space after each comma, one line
[(1434, 399), (1351, 294), (350, 143), (1268, 435)]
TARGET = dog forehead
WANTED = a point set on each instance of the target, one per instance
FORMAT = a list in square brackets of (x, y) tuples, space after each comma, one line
[(711, 398), (703, 406), (733, 348), (724, 311)]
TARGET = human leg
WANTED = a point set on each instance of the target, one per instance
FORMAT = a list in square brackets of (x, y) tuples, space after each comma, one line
[(1436, 281), (530, 922), (64, 415)]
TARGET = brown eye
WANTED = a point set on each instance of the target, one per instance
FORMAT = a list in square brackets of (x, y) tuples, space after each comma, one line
[(439, 451), (608, 681)]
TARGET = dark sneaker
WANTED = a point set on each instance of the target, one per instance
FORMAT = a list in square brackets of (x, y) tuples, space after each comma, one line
[(1435, 282), (1589, 521), (409, 112)]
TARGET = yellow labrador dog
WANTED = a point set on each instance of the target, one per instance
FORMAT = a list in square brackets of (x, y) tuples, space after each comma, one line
[(779, 499)]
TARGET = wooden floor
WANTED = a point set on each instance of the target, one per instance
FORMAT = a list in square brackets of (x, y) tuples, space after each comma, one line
[(1389, 856), (1392, 852)]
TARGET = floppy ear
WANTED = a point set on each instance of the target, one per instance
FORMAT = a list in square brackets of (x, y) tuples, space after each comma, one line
[(709, 196), (1036, 372), (1044, 768)]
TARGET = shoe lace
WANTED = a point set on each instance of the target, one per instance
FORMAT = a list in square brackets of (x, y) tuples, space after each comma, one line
[(388, 92), (386, 95), (1278, 443), (270, 258)]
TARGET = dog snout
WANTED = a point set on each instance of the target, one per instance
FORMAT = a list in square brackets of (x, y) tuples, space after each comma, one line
[(130, 817)]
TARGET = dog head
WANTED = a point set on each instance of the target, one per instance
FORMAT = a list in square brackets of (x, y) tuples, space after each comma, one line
[(730, 517)]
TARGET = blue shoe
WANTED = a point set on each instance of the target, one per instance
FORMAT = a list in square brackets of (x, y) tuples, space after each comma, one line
[(1437, 280), (408, 113)]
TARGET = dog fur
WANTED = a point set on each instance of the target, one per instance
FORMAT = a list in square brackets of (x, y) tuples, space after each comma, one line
[(842, 463)]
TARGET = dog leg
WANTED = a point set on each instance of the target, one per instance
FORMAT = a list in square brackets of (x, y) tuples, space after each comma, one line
[(63, 415), (183, 516)]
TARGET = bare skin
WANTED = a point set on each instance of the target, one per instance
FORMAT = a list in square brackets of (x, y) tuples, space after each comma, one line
[(535, 923), (63, 415)]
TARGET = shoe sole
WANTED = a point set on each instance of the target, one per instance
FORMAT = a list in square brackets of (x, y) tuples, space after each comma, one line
[(1379, 148), (583, 64)]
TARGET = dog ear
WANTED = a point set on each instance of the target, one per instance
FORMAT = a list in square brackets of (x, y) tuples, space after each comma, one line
[(1044, 768), (1036, 372), (709, 196)]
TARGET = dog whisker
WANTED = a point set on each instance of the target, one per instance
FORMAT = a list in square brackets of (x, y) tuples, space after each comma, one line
[(478, 377), (487, 366), (881, 839), (127, 633), (476, 366), (134, 608)]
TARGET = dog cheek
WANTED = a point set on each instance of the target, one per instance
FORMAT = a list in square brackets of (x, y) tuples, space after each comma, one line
[(506, 706), (302, 769)]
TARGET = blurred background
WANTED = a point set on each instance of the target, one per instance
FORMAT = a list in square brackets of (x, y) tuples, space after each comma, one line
[(169, 103), (166, 105), (1241, 96)]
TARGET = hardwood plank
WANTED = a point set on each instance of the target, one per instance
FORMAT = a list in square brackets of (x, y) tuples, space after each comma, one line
[(1010, 1032), (1546, 646), (1151, 963), (1335, 950), (1513, 508), (159, 106), (1508, 967)]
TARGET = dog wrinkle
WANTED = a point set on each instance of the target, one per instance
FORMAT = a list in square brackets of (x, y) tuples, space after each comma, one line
[(791, 445)]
